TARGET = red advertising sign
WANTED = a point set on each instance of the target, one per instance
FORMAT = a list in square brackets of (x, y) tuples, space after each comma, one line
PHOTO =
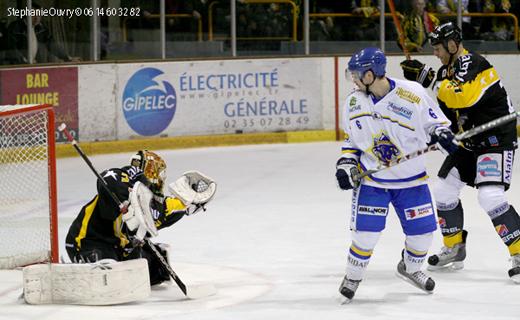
[(55, 86)]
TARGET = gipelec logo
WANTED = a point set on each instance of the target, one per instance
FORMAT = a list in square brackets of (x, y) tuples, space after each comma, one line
[(149, 103)]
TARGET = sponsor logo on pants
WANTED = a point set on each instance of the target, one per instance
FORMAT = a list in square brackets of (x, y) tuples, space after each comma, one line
[(418, 212), (508, 166), (372, 211)]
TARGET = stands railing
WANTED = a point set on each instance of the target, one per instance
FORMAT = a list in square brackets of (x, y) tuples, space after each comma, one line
[(438, 15), (293, 37), (157, 16), (487, 15)]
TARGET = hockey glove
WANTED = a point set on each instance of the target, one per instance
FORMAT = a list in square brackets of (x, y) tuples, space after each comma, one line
[(193, 187), (347, 173), (415, 70), (445, 138)]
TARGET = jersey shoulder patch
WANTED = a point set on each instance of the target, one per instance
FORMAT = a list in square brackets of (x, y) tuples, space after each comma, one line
[(468, 66), (112, 174), (353, 103), (407, 95)]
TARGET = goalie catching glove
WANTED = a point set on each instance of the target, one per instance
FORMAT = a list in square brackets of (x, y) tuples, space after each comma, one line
[(194, 189), (139, 216), (415, 70)]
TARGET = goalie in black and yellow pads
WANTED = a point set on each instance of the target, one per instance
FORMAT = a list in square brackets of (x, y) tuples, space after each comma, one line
[(471, 94), (101, 231)]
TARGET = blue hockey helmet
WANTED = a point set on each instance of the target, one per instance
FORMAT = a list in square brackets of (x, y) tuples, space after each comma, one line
[(370, 58)]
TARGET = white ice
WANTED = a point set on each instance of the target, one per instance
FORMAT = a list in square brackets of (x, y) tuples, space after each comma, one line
[(274, 243)]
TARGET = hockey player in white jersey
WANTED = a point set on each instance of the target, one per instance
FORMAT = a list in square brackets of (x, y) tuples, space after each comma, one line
[(384, 120)]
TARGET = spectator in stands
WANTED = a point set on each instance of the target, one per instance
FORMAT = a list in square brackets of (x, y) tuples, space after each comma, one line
[(3, 41), (496, 28), (327, 28), (44, 44), (182, 28), (450, 7), (368, 27), (417, 24), (138, 28)]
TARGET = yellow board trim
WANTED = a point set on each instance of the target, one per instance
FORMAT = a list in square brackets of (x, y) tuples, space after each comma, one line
[(185, 142), (89, 209)]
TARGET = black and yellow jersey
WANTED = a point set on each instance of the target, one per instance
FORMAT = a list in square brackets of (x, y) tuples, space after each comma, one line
[(472, 95), (100, 220)]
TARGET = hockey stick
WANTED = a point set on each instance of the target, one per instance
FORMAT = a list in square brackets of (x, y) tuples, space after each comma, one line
[(459, 137), (399, 28), (124, 208), (486, 126), (63, 128)]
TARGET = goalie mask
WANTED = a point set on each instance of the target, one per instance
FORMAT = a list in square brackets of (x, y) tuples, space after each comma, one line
[(153, 167)]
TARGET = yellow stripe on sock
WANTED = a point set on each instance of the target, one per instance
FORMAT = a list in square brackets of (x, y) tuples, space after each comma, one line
[(360, 251), (514, 248), (451, 240), (415, 252)]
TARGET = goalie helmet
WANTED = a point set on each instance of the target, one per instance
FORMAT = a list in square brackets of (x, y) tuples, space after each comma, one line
[(153, 167)]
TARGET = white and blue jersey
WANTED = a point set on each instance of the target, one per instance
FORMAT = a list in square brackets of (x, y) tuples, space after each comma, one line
[(379, 131)]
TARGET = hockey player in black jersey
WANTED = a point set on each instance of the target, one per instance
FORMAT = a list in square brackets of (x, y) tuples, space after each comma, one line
[(470, 93), (102, 231)]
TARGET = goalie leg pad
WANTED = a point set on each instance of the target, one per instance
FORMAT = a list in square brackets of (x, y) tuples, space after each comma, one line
[(92, 251), (105, 282)]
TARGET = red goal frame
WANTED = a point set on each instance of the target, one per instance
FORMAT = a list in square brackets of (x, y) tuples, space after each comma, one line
[(51, 167)]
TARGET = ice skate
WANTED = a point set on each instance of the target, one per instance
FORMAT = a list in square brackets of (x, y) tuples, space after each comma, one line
[(514, 272), (348, 289), (419, 279), (452, 258)]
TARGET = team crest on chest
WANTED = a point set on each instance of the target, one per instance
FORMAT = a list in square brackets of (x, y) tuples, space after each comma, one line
[(384, 149)]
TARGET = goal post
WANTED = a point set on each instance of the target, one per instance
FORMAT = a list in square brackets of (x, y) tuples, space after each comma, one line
[(28, 197)]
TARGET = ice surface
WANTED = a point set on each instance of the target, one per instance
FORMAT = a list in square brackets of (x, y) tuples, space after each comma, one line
[(274, 243)]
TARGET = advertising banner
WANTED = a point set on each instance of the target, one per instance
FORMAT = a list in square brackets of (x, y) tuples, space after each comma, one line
[(219, 97), (55, 86)]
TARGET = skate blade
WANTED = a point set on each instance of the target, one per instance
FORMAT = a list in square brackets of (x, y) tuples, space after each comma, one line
[(452, 266), (516, 278), (343, 301), (412, 283)]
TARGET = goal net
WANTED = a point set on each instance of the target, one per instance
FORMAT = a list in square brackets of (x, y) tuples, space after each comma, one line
[(28, 206)]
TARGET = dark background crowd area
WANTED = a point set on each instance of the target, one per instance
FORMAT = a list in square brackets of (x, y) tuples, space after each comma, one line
[(261, 27)]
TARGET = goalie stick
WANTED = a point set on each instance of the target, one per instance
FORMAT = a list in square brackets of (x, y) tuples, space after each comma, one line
[(198, 292), (461, 136)]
